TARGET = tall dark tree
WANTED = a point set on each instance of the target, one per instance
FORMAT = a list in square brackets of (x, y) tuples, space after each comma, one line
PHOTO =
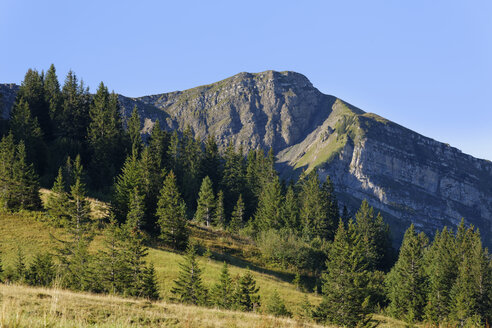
[(233, 179), (171, 213), (129, 178), (105, 137), (52, 97), (237, 216), (133, 125), (345, 283), (219, 218), (7, 162), (189, 288), (212, 162), (407, 280), (376, 237), (291, 210), (25, 184), (57, 201), (246, 296), (25, 127), (191, 164)]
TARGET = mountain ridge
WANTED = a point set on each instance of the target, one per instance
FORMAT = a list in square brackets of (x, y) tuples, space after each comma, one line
[(407, 176)]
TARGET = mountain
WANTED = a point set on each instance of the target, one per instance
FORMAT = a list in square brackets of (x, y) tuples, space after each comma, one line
[(408, 177)]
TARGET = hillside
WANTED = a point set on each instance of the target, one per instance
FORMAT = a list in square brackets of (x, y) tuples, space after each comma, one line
[(407, 176)]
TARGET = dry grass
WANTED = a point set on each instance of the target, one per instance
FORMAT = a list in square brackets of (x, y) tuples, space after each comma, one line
[(39, 307)]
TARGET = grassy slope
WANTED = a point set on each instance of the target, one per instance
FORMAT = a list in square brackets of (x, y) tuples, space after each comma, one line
[(24, 230)]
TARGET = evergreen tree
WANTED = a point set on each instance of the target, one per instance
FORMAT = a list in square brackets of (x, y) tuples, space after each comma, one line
[(276, 306), (219, 218), (174, 154), (25, 127), (129, 178), (237, 216), (52, 97), (188, 288), (212, 162), (105, 137), (222, 293), (7, 162), (376, 237), (233, 179), (25, 188), (171, 213), (57, 201), (133, 124), (20, 266), (291, 211), (345, 283), (42, 270), (149, 288), (269, 214), (32, 92), (316, 208), (206, 202), (472, 292), (191, 166), (246, 296), (441, 268), (407, 280)]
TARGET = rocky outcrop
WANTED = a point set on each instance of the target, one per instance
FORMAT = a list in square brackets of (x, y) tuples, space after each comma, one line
[(8, 91), (409, 177)]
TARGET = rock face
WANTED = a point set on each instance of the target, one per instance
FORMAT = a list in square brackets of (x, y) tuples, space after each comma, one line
[(8, 92), (409, 177)]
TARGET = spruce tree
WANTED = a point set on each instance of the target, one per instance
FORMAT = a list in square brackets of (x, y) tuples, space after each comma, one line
[(237, 216), (25, 189), (105, 137), (149, 288), (52, 97), (269, 214), (222, 293), (57, 201), (25, 127), (441, 268), (205, 203), (219, 218), (171, 213), (276, 305), (233, 178), (188, 287), (407, 282), (212, 162), (42, 271), (129, 178), (375, 236), (291, 211), (246, 296), (346, 301), (7, 163), (133, 125), (20, 266)]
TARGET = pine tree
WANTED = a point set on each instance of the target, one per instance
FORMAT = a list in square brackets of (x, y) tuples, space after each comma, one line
[(191, 164), (171, 213), (57, 201), (222, 293), (345, 294), (246, 296), (269, 214), (149, 288), (233, 178), (206, 202), (133, 130), (407, 280), (188, 288), (276, 305), (237, 216), (219, 218)]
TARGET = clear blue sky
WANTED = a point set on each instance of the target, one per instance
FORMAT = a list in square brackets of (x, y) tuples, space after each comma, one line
[(426, 65)]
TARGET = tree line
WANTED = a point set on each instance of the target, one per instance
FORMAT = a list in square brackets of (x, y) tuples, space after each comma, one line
[(158, 187)]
